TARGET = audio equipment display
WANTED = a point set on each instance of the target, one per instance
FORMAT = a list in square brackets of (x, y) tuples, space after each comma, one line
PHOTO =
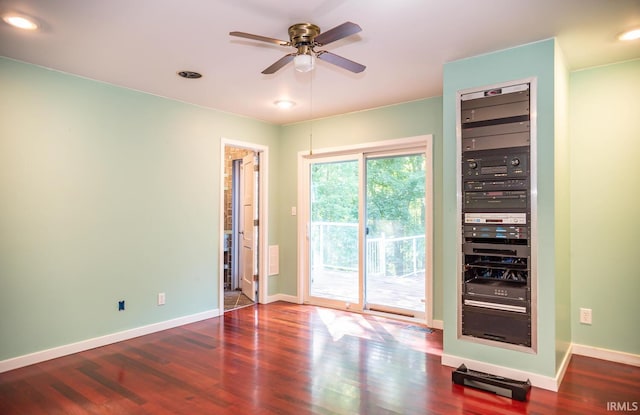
[(487, 288), (496, 200), (496, 185), (496, 164), (496, 136), (495, 231), (503, 217), (496, 210)]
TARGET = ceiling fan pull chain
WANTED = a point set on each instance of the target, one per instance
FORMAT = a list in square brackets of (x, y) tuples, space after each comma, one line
[(310, 114)]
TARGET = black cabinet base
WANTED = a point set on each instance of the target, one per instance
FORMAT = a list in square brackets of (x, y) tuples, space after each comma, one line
[(497, 325)]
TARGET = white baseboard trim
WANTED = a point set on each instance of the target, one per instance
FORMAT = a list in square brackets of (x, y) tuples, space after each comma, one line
[(283, 297), (437, 324), (67, 349), (537, 380), (541, 381), (606, 354), (563, 366)]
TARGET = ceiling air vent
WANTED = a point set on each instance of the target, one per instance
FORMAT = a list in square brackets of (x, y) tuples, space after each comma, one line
[(190, 74)]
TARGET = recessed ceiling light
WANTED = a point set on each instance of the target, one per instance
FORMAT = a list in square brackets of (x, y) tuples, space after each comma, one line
[(284, 104), (20, 21), (190, 74), (630, 35)]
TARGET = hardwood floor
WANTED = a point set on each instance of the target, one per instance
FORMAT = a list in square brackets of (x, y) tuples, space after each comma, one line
[(289, 359)]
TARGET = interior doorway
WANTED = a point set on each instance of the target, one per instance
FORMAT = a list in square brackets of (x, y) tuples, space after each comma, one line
[(241, 212)]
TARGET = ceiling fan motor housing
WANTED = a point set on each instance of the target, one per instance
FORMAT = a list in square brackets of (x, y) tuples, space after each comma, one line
[(303, 34)]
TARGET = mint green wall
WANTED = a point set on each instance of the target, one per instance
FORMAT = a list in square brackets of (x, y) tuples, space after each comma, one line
[(111, 194), (397, 121), (605, 196), (107, 194), (532, 60), (562, 209)]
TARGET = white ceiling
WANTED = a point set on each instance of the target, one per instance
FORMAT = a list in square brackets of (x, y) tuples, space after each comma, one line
[(141, 44)]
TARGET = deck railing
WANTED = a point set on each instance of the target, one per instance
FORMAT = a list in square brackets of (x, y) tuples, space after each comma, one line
[(335, 246)]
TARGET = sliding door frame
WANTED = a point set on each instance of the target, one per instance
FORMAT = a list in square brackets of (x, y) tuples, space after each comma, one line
[(423, 143), (307, 296)]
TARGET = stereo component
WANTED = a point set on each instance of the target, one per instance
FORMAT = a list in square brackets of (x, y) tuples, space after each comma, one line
[(498, 325), (496, 306), (496, 136), (497, 248), (496, 200), (496, 164), (496, 232), (493, 290), (507, 218), (500, 109), (472, 232), (496, 91), (488, 185)]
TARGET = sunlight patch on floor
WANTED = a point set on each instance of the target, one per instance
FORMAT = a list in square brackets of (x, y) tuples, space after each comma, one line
[(340, 324)]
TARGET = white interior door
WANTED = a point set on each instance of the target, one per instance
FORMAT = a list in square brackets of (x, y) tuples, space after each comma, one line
[(248, 230)]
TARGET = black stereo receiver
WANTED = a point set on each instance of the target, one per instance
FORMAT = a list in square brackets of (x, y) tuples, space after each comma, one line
[(489, 164)]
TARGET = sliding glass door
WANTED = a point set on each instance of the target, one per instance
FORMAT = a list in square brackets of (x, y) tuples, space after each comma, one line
[(395, 233), (365, 231), (333, 230)]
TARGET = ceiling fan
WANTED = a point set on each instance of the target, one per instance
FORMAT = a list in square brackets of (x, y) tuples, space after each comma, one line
[(305, 37)]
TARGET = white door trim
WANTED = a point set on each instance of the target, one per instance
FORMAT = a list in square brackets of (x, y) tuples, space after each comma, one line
[(263, 218), (247, 236)]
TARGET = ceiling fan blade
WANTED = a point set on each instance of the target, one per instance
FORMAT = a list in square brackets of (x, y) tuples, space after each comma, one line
[(260, 38), (345, 63), (279, 64), (337, 33)]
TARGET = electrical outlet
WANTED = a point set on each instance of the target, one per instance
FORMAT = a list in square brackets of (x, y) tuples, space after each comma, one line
[(161, 298), (585, 315)]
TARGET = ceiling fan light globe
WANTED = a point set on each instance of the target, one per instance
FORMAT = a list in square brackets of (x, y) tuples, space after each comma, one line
[(304, 63)]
